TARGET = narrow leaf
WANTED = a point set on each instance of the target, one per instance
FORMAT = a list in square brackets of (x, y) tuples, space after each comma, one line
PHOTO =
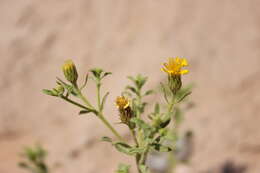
[(123, 147), (164, 92), (105, 74), (132, 89), (85, 82), (161, 148), (149, 92), (157, 108), (106, 139), (49, 92), (184, 96), (85, 112), (104, 100)]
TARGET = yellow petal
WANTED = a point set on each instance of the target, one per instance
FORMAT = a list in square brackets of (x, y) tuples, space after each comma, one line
[(177, 60), (184, 62), (166, 65), (171, 61), (163, 69), (184, 71)]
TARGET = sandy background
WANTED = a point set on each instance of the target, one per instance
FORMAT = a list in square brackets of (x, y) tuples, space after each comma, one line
[(220, 39)]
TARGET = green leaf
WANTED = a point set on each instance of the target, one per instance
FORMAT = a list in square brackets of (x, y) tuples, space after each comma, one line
[(165, 123), (85, 82), (85, 111), (161, 148), (132, 89), (178, 116), (149, 92), (106, 74), (30, 154), (131, 78), (183, 96), (97, 72), (144, 169), (49, 92), (40, 152), (104, 100), (123, 147), (106, 139), (69, 88), (140, 123), (140, 81), (157, 108), (183, 91), (127, 149), (148, 130), (165, 93), (122, 168)]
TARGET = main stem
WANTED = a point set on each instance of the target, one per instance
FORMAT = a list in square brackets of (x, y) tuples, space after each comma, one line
[(104, 120), (99, 114), (138, 156), (172, 157)]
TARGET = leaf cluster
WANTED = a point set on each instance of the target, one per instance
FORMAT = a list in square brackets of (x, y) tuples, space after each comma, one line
[(34, 159)]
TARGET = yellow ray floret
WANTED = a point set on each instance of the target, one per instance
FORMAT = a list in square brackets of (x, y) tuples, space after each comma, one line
[(122, 102), (174, 66)]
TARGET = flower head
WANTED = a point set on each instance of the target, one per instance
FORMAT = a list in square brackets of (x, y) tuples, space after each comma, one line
[(70, 71), (122, 102), (174, 66), (125, 111)]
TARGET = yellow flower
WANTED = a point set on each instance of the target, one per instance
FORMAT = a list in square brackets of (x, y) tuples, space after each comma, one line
[(122, 102), (125, 111), (174, 66)]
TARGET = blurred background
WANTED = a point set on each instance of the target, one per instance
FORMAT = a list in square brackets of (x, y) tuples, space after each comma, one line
[(220, 39)]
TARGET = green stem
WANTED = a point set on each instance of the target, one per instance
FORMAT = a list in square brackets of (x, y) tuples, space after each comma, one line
[(144, 156), (74, 103), (172, 157), (99, 114), (139, 102), (85, 100), (171, 106), (138, 156), (137, 159), (82, 97), (133, 134), (104, 120), (98, 96)]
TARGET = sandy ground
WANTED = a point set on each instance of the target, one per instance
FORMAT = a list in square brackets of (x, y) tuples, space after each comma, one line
[(220, 39)]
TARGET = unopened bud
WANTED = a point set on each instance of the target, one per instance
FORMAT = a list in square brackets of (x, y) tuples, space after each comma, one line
[(59, 89), (70, 71)]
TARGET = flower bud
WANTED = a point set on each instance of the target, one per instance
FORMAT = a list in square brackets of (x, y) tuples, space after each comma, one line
[(59, 89), (125, 111), (70, 71), (175, 83)]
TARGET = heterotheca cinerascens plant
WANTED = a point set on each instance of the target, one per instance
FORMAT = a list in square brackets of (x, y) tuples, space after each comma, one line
[(148, 135)]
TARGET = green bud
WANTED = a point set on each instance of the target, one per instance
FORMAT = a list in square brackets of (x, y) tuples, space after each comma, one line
[(70, 71), (175, 83), (97, 72), (59, 89), (156, 121)]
